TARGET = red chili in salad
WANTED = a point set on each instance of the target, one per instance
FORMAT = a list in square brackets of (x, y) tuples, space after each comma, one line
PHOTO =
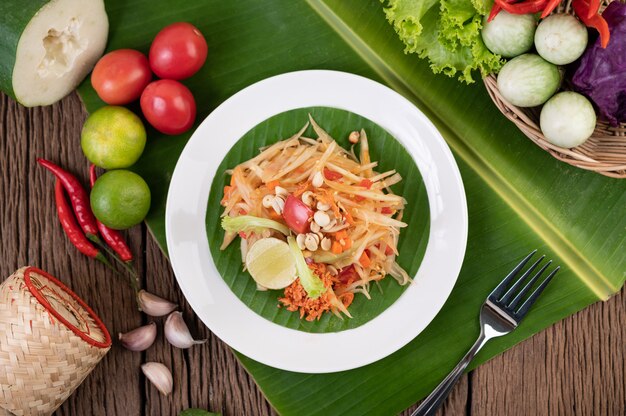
[(78, 197), (331, 175)]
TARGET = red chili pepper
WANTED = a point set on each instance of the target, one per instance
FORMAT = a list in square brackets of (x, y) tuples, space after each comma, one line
[(532, 6), (552, 4), (331, 175), (71, 228), (495, 9), (78, 197), (594, 8), (113, 238), (581, 7)]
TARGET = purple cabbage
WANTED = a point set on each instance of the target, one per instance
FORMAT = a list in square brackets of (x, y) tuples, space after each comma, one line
[(601, 74)]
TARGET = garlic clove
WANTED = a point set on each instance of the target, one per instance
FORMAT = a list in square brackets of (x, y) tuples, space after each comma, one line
[(160, 376), (154, 305), (139, 339), (177, 332)]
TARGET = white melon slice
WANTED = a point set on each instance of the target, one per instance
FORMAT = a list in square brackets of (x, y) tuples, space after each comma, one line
[(48, 47)]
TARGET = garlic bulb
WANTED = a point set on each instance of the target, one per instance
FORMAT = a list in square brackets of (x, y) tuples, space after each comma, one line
[(139, 339), (160, 376), (177, 332), (154, 305)]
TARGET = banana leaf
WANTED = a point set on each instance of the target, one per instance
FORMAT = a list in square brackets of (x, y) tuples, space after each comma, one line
[(519, 198), (384, 149)]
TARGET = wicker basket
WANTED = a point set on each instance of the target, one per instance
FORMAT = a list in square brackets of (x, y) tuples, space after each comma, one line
[(50, 340), (604, 152)]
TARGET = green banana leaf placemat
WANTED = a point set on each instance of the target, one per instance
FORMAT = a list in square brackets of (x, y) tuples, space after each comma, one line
[(519, 197), (385, 150)]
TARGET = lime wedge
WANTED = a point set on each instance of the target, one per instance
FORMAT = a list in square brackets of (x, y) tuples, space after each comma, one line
[(270, 263)]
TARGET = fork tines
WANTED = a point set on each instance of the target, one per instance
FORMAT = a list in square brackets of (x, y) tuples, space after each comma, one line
[(509, 299)]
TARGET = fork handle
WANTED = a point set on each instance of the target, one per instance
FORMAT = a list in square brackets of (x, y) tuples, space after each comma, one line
[(434, 400)]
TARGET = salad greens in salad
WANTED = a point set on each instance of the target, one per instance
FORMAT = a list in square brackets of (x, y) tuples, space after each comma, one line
[(316, 221)]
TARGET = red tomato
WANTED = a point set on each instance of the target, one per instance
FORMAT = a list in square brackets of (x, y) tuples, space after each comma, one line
[(366, 183), (168, 106), (348, 275), (331, 175), (178, 51), (297, 215), (120, 76)]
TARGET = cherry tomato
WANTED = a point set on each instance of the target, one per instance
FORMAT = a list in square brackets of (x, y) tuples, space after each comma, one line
[(120, 76), (297, 215), (168, 106), (348, 275), (178, 51)]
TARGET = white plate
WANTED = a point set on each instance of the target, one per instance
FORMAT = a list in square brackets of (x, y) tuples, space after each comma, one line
[(227, 316)]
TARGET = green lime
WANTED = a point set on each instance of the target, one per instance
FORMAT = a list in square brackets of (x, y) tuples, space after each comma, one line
[(270, 263), (120, 199), (113, 138)]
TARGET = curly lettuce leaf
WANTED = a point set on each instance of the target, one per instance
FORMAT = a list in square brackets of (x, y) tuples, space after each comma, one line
[(408, 18), (459, 22), (447, 33), (483, 7)]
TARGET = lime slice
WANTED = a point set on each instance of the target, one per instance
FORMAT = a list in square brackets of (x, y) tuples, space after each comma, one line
[(270, 263)]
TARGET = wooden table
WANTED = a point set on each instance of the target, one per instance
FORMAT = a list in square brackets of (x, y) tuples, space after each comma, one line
[(576, 367)]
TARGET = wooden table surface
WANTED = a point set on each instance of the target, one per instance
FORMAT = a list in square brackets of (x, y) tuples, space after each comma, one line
[(576, 367)]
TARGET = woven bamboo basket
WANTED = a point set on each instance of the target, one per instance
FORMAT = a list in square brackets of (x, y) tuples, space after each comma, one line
[(604, 152), (50, 340)]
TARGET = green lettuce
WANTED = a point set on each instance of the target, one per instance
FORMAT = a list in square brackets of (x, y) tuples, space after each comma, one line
[(447, 33), (312, 284)]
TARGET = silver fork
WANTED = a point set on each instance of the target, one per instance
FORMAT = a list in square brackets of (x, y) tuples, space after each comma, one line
[(500, 314)]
